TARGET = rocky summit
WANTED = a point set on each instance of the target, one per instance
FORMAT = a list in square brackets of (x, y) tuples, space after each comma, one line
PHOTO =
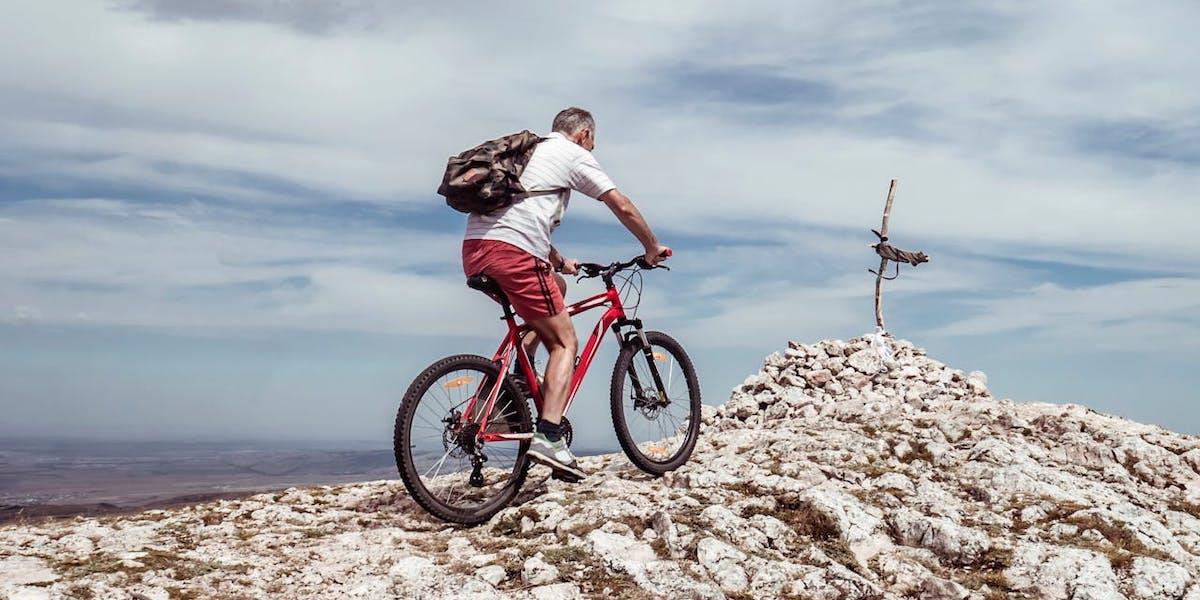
[(837, 471)]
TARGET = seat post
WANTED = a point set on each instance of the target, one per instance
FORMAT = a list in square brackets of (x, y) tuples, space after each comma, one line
[(493, 290)]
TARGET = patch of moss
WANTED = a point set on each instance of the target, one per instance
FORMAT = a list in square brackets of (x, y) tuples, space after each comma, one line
[(177, 567), (313, 532), (635, 524), (560, 556), (745, 488), (977, 493), (510, 525), (810, 521), (598, 581), (181, 534), (995, 559), (100, 562), (1184, 506), (81, 592), (578, 529), (660, 548), (870, 469), (1124, 543), (920, 451), (995, 581)]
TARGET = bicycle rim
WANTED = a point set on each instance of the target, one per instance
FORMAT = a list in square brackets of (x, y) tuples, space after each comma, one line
[(657, 430), (450, 471)]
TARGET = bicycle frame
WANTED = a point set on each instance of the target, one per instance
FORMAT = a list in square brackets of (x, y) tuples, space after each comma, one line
[(511, 349)]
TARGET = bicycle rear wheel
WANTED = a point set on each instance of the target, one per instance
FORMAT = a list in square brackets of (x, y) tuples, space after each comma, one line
[(445, 465), (657, 426)]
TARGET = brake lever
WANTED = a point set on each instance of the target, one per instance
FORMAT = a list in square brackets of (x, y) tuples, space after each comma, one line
[(587, 271), (642, 264)]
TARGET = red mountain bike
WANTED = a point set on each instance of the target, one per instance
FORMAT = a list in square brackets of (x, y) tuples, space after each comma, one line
[(464, 424)]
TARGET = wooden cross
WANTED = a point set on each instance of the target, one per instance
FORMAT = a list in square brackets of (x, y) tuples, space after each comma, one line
[(888, 252)]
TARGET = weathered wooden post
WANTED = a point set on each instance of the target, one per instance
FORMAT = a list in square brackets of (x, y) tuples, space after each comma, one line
[(888, 252), (883, 231)]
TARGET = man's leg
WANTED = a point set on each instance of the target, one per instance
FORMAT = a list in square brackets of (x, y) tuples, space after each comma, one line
[(548, 446), (530, 341), (558, 334)]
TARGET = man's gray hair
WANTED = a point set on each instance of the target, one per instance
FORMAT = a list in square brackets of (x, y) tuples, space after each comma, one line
[(570, 120)]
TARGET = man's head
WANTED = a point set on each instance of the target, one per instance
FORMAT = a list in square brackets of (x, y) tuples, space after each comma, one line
[(577, 125)]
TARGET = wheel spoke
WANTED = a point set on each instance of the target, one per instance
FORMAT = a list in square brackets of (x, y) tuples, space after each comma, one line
[(670, 376), (658, 432), (431, 440), (438, 465)]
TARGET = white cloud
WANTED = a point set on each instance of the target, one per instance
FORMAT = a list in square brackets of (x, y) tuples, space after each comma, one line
[(972, 106), (198, 268), (1145, 315)]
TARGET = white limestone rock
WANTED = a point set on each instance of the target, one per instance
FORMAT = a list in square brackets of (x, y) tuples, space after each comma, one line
[(492, 574), (537, 572), (1151, 578), (823, 476), (722, 562)]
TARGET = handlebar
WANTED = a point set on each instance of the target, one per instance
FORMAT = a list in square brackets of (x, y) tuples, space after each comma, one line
[(588, 270)]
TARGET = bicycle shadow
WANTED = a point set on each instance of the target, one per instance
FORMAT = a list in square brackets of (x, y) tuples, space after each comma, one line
[(531, 490), (536, 487)]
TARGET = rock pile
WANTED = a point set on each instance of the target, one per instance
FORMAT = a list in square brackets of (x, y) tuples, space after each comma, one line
[(831, 473)]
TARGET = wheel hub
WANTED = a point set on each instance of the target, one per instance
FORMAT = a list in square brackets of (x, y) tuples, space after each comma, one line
[(453, 421), (468, 437), (649, 405)]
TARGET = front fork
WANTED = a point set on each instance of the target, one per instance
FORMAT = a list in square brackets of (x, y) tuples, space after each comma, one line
[(638, 336)]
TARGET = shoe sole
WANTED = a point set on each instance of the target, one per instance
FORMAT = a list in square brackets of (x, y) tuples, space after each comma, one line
[(574, 475)]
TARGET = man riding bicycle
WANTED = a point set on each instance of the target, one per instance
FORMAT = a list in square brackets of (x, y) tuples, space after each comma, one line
[(512, 246)]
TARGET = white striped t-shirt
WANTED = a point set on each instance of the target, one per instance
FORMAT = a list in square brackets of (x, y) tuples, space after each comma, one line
[(557, 163)]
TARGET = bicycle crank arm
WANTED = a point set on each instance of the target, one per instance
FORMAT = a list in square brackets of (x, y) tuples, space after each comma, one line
[(507, 436)]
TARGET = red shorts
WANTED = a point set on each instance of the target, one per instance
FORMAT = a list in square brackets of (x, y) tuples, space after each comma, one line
[(528, 281)]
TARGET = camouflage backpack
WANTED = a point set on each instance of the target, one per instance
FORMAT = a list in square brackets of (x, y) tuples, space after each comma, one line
[(488, 177)]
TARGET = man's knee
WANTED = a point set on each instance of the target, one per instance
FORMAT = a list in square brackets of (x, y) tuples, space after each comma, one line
[(571, 341), (567, 338), (556, 332)]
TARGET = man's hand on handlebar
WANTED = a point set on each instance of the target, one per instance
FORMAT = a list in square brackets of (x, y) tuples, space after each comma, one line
[(657, 254), (569, 266), (586, 270)]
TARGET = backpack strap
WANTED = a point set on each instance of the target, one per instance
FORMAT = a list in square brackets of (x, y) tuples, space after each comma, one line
[(544, 192)]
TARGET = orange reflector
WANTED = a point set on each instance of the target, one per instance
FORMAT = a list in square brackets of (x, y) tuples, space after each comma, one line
[(659, 356), (457, 383)]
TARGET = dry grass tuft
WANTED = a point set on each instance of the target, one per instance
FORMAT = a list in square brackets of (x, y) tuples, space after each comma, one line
[(511, 524), (565, 556), (1186, 507), (1124, 544)]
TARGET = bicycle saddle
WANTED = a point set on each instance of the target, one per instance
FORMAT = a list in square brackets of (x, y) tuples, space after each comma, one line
[(488, 286)]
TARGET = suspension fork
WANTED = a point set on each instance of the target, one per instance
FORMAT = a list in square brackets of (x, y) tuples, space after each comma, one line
[(640, 335)]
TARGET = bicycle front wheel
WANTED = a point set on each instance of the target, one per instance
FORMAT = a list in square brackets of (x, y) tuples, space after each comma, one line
[(657, 419), (445, 463)]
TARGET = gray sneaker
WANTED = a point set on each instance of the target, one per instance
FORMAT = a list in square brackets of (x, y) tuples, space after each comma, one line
[(555, 455)]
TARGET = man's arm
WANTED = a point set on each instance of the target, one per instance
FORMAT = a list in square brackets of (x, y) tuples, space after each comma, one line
[(632, 219), (569, 266)]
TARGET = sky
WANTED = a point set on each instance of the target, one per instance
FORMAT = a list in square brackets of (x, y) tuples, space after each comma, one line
[(218, 220)]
